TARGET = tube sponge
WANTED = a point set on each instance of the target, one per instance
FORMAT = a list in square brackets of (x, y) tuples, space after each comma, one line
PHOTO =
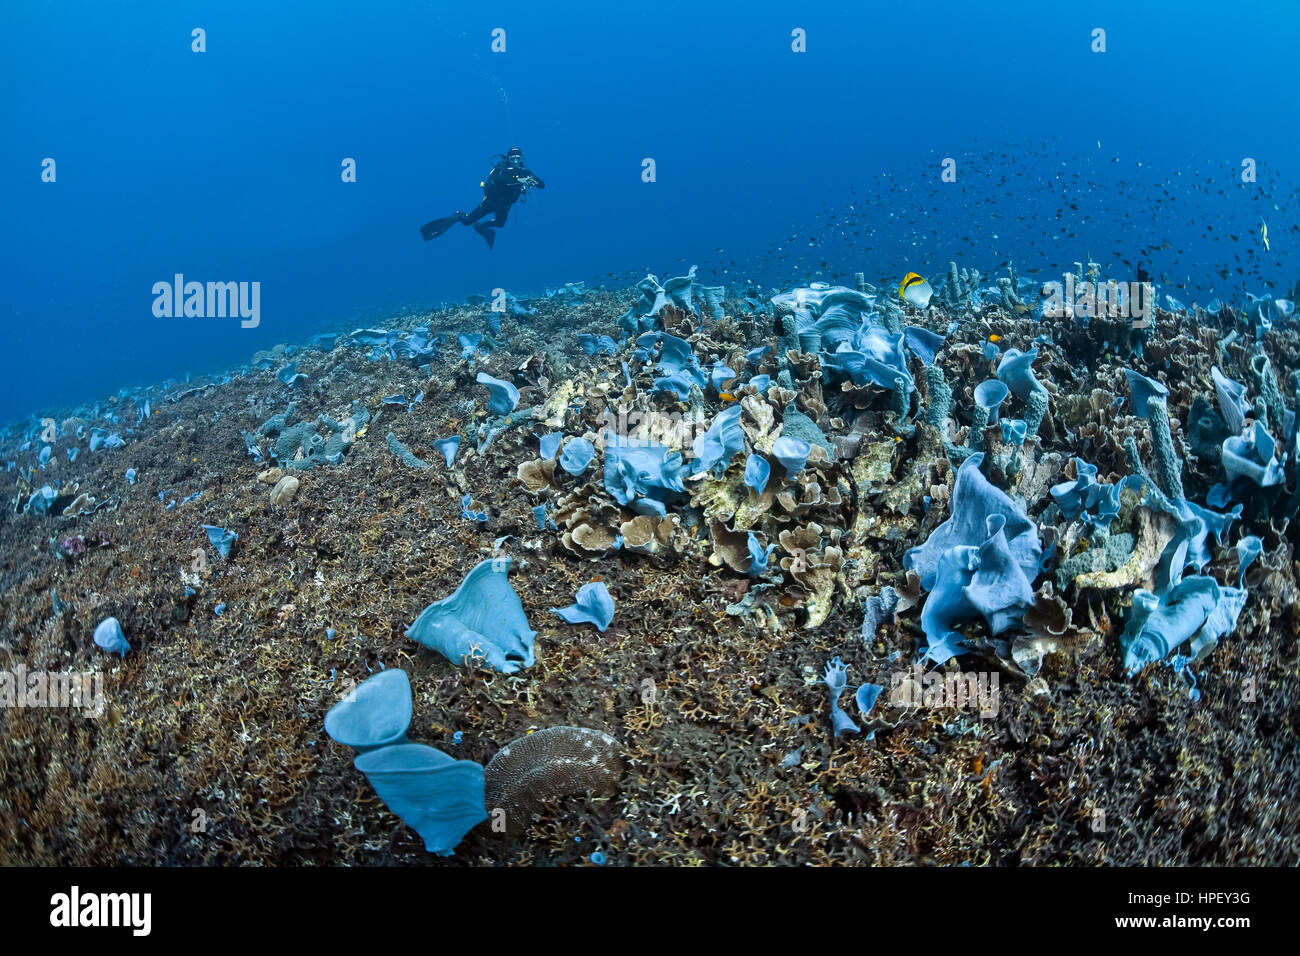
[(902, 398), (978, 422), (787, 342), (1266, 388), (940, 395), (1010, 301), (874, 611), (409, 459), (1168, 467), (958, 289), (893, 315), (1035, 410)]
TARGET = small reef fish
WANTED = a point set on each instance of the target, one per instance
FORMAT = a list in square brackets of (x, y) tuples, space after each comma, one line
[(1263, 233), (916, 290)]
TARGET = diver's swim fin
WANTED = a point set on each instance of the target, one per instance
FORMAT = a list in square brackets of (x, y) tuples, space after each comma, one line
[(487, 232), (432, 230)]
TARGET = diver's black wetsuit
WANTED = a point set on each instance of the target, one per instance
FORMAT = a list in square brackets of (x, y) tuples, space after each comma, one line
[(507, 182), (501, 190)]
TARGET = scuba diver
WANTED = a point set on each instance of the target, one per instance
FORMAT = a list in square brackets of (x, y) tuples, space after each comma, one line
[(506, 183)]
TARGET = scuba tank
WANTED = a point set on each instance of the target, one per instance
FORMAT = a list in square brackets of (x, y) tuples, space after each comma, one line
[(496, 159)]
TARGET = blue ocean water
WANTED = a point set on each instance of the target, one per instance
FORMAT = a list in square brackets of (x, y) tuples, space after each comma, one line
[(771, 165)]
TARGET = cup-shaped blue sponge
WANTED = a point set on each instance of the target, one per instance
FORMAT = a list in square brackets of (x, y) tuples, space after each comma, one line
[(990, 395), (374, 714), (437, 796)]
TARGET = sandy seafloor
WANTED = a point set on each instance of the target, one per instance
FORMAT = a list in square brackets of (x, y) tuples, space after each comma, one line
[(212, 751)]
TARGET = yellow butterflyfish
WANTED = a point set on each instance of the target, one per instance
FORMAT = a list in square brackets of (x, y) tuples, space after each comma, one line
[(915, 290)]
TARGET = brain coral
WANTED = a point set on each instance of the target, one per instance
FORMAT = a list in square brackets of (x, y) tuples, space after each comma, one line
[(550, 764)]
